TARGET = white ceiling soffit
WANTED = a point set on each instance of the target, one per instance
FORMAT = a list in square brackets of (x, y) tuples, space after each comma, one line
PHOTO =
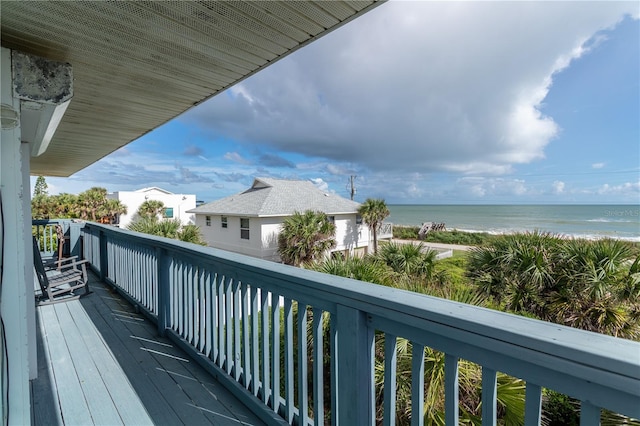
[(137, 65)]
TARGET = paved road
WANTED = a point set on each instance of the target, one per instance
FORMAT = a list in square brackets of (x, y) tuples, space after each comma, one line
[(434, 245)]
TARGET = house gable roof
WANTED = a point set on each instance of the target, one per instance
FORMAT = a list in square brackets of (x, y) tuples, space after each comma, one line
[(154, 189), (278, 197)]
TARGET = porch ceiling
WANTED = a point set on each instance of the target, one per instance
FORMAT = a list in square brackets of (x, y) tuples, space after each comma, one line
[(137, 65)]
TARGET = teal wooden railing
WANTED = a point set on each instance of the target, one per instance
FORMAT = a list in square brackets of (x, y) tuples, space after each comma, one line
[(229, 312)]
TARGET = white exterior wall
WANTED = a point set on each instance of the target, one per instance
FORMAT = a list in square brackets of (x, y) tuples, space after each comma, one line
[(263, 235), (180, 203), (229, 238)]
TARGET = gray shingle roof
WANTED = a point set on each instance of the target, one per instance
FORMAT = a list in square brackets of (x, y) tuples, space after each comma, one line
[(278, 197)]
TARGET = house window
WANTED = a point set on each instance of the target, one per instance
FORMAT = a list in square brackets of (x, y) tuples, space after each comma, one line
[(358, 220), (223, 221), (244, 228), (207, 220), (332, 219), (168, 213)]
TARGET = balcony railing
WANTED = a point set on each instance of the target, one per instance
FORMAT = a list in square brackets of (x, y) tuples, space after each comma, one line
[(220, 307)]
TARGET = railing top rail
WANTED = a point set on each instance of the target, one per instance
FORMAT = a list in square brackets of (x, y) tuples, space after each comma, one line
[(618, 356)]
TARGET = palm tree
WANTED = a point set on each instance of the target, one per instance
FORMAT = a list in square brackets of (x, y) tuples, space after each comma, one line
[(191, 234), (373, 212), (153, 226), (112, 209), (410, 259), (91, 202), (151, 208), (592, 285), (305, 237), (170, 228)]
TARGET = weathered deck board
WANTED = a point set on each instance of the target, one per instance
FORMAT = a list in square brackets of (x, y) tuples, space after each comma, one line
[(102, 363)]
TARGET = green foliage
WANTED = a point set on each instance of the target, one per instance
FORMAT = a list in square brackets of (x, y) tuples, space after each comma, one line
[(405, 232), (305, 237), (92, 204), (592, 285), (459, 237), (445, 237), (373, 212), (559, 409), (150, 209), (409, 259), (169, 228)]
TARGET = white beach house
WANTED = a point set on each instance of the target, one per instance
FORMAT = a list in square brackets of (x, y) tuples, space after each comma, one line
[(249, 222), (175, 205)]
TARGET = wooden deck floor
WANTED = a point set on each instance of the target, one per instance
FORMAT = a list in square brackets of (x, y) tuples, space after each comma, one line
[(101, 363)]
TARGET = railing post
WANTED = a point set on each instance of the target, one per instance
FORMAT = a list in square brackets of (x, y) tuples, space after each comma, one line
[(74, 239), (164, 297), (355, 368), (104, 259)]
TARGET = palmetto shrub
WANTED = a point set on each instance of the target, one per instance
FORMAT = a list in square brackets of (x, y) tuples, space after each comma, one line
[(591, 285)]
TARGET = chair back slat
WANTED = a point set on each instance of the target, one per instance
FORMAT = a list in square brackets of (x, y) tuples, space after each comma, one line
[(43, 280)]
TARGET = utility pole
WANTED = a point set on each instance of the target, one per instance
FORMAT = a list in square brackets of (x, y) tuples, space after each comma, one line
[(352, 186)]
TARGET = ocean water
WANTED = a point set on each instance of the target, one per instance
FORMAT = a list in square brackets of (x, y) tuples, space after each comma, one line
[(587, 221)]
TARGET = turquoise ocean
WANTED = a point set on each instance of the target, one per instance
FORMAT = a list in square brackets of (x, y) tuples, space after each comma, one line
[(587, 221)]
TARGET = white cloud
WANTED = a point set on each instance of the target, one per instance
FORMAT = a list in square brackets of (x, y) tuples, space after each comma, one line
[(321, 184), (418, 86), (631, 189), (558, 187), (597, 165), (481, 187), (236, 158)]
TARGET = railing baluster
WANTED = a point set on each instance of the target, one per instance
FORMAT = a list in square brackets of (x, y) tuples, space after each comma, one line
[(589, 414), (208, 307), (255, 360), (533, 404), (264, 340), (275, 352), (489, 396), (188, 275), (228, 323), (246, 347), (180, 298), (303, 397), (202, 308), (175, 296), (390, 367), (164, 291), (237, 319), (288, 359), (221, 320), (417, 384), (333, 343), (214, 316), (318, 360), (451, 389)]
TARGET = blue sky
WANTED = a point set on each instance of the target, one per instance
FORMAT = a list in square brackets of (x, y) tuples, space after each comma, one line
[(426, 103)]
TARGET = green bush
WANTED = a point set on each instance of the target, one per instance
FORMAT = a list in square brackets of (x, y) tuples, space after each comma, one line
[(405, 232), (446, 237)]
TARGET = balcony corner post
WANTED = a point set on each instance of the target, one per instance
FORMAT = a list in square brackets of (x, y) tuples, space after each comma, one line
[(163, 290), (355, 385)]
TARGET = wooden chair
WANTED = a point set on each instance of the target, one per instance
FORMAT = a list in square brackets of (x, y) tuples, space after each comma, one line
[(59, 285)]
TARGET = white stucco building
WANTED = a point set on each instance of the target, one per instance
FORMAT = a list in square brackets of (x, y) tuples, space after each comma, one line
[(175, 205), (249, 222)]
